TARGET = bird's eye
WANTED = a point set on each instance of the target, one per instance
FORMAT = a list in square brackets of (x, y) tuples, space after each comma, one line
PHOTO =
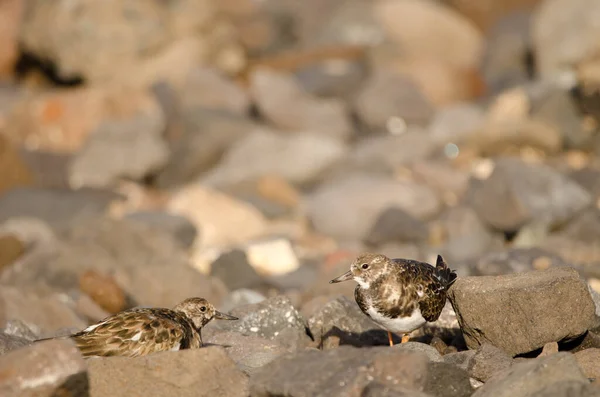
[(365, 266), (203, 309)]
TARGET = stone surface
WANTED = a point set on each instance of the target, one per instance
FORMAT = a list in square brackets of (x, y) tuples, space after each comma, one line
[(11, 248), (347, 207), (487, 362), (297, 157), (517, 193), (177, 226), (394, 224), (10, 159), (11, 342), (196, 372), (273, 257), (235, 271), (516, 260), (589, 362), (48, 368), (530, 377), (281, 100), (103, 290), (522, 312)]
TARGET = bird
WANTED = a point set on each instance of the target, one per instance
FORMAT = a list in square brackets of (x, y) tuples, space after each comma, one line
[(142, 331), (400, 295)]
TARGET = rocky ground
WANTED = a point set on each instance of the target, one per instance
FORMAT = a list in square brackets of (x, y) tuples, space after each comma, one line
[(246, 151)]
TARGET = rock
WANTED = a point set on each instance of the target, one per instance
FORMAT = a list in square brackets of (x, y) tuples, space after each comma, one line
[(517, 193), (104, 290), (348, 371), (210, 89), (549, 349), (10, 342), (50, 170), (11, 248), (375, 389), (589, 362), (589, 179), (201, 138), (10, 159), (179, 227), (222, 219), (530, 377), (462, 359), (19, 329), (447, 380), (125, 148), (456, 123), (347, 207), (298, 157), (266, 319), (236, 272), (58, 207), (431, 352), (516, 260), (568, 388), (10, 16), (47, 368), (456, 42), (249, 352), (281, 100), (391, 99), (196, 372), (272, 257), (340, 322), (486, 13), (487, 362), (508, 42), (563, 34), (387, 153), (241, 297), (538, 307), (151, 37), (395, 224), (45, 313)]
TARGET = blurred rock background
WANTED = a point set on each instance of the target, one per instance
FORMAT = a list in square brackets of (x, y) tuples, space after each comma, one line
[(152, 150)]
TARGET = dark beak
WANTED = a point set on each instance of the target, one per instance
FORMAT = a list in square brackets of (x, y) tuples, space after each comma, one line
[(344, 277), (223, 316)]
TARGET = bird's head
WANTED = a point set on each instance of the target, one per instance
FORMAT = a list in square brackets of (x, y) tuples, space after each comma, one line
[(364, 269), (201, 311)]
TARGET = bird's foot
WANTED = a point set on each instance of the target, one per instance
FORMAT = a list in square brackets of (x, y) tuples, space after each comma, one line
[(405, 338), (390, 338)]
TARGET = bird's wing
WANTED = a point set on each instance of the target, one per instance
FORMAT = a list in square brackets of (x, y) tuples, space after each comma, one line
[(131, 333)]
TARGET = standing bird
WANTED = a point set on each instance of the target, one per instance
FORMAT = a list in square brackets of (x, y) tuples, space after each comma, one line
[(138, 332), (400, 295)]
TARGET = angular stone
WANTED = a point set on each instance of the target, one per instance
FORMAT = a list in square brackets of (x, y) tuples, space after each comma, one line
[(11, 342), (528, 378), (568, 388), (186, 373), (447, 380), (488, 361), (517, 193), (461, 359), (45, 369), (522, 312), (589, 362)]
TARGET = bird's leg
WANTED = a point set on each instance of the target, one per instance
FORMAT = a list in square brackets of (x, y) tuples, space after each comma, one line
[(405, 338), (390, 338)]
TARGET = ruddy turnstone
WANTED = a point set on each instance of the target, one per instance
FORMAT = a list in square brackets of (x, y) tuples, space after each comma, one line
[(399, 294), (138, 332)]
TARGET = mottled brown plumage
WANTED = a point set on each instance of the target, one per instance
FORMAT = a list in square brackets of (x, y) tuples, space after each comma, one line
[(138, 332), (399, 294)]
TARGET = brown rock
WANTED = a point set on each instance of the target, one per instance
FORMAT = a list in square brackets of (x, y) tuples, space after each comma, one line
[(589, 362), (484, 13), (104, 290), (187, 373), (11, 248), (10, 19), (10, 159), (45, 369), (488, 361), (522, 312), (549, 349)]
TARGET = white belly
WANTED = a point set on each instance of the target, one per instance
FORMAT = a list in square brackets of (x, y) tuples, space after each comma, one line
[(401, 324)]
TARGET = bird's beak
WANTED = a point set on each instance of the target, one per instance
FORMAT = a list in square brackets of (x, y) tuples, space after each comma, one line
[(223, 316), (344, 277)]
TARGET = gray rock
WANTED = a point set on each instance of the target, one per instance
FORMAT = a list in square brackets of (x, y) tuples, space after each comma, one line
[(430, 351), (241, 297), (249, 352), (516, 260), (376, 389), (177, 226), (518, 193), (265, 319), (282, 101), (347, 207), (44, 369), (320, 80), (528, 378), (589, 179), (196, 372), (299, 157), (568, 388), (10, 342), (589, 362), (461, 359), (395, 224), (235, 271), (456, 123), (57, 207), (18, 328), (446, 380), (131, 148), (488, 361), (341, 322), (522, 312), (564, 33), (387, 95)]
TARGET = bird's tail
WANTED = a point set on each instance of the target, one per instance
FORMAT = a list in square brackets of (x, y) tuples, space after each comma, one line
[(447, 275)]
